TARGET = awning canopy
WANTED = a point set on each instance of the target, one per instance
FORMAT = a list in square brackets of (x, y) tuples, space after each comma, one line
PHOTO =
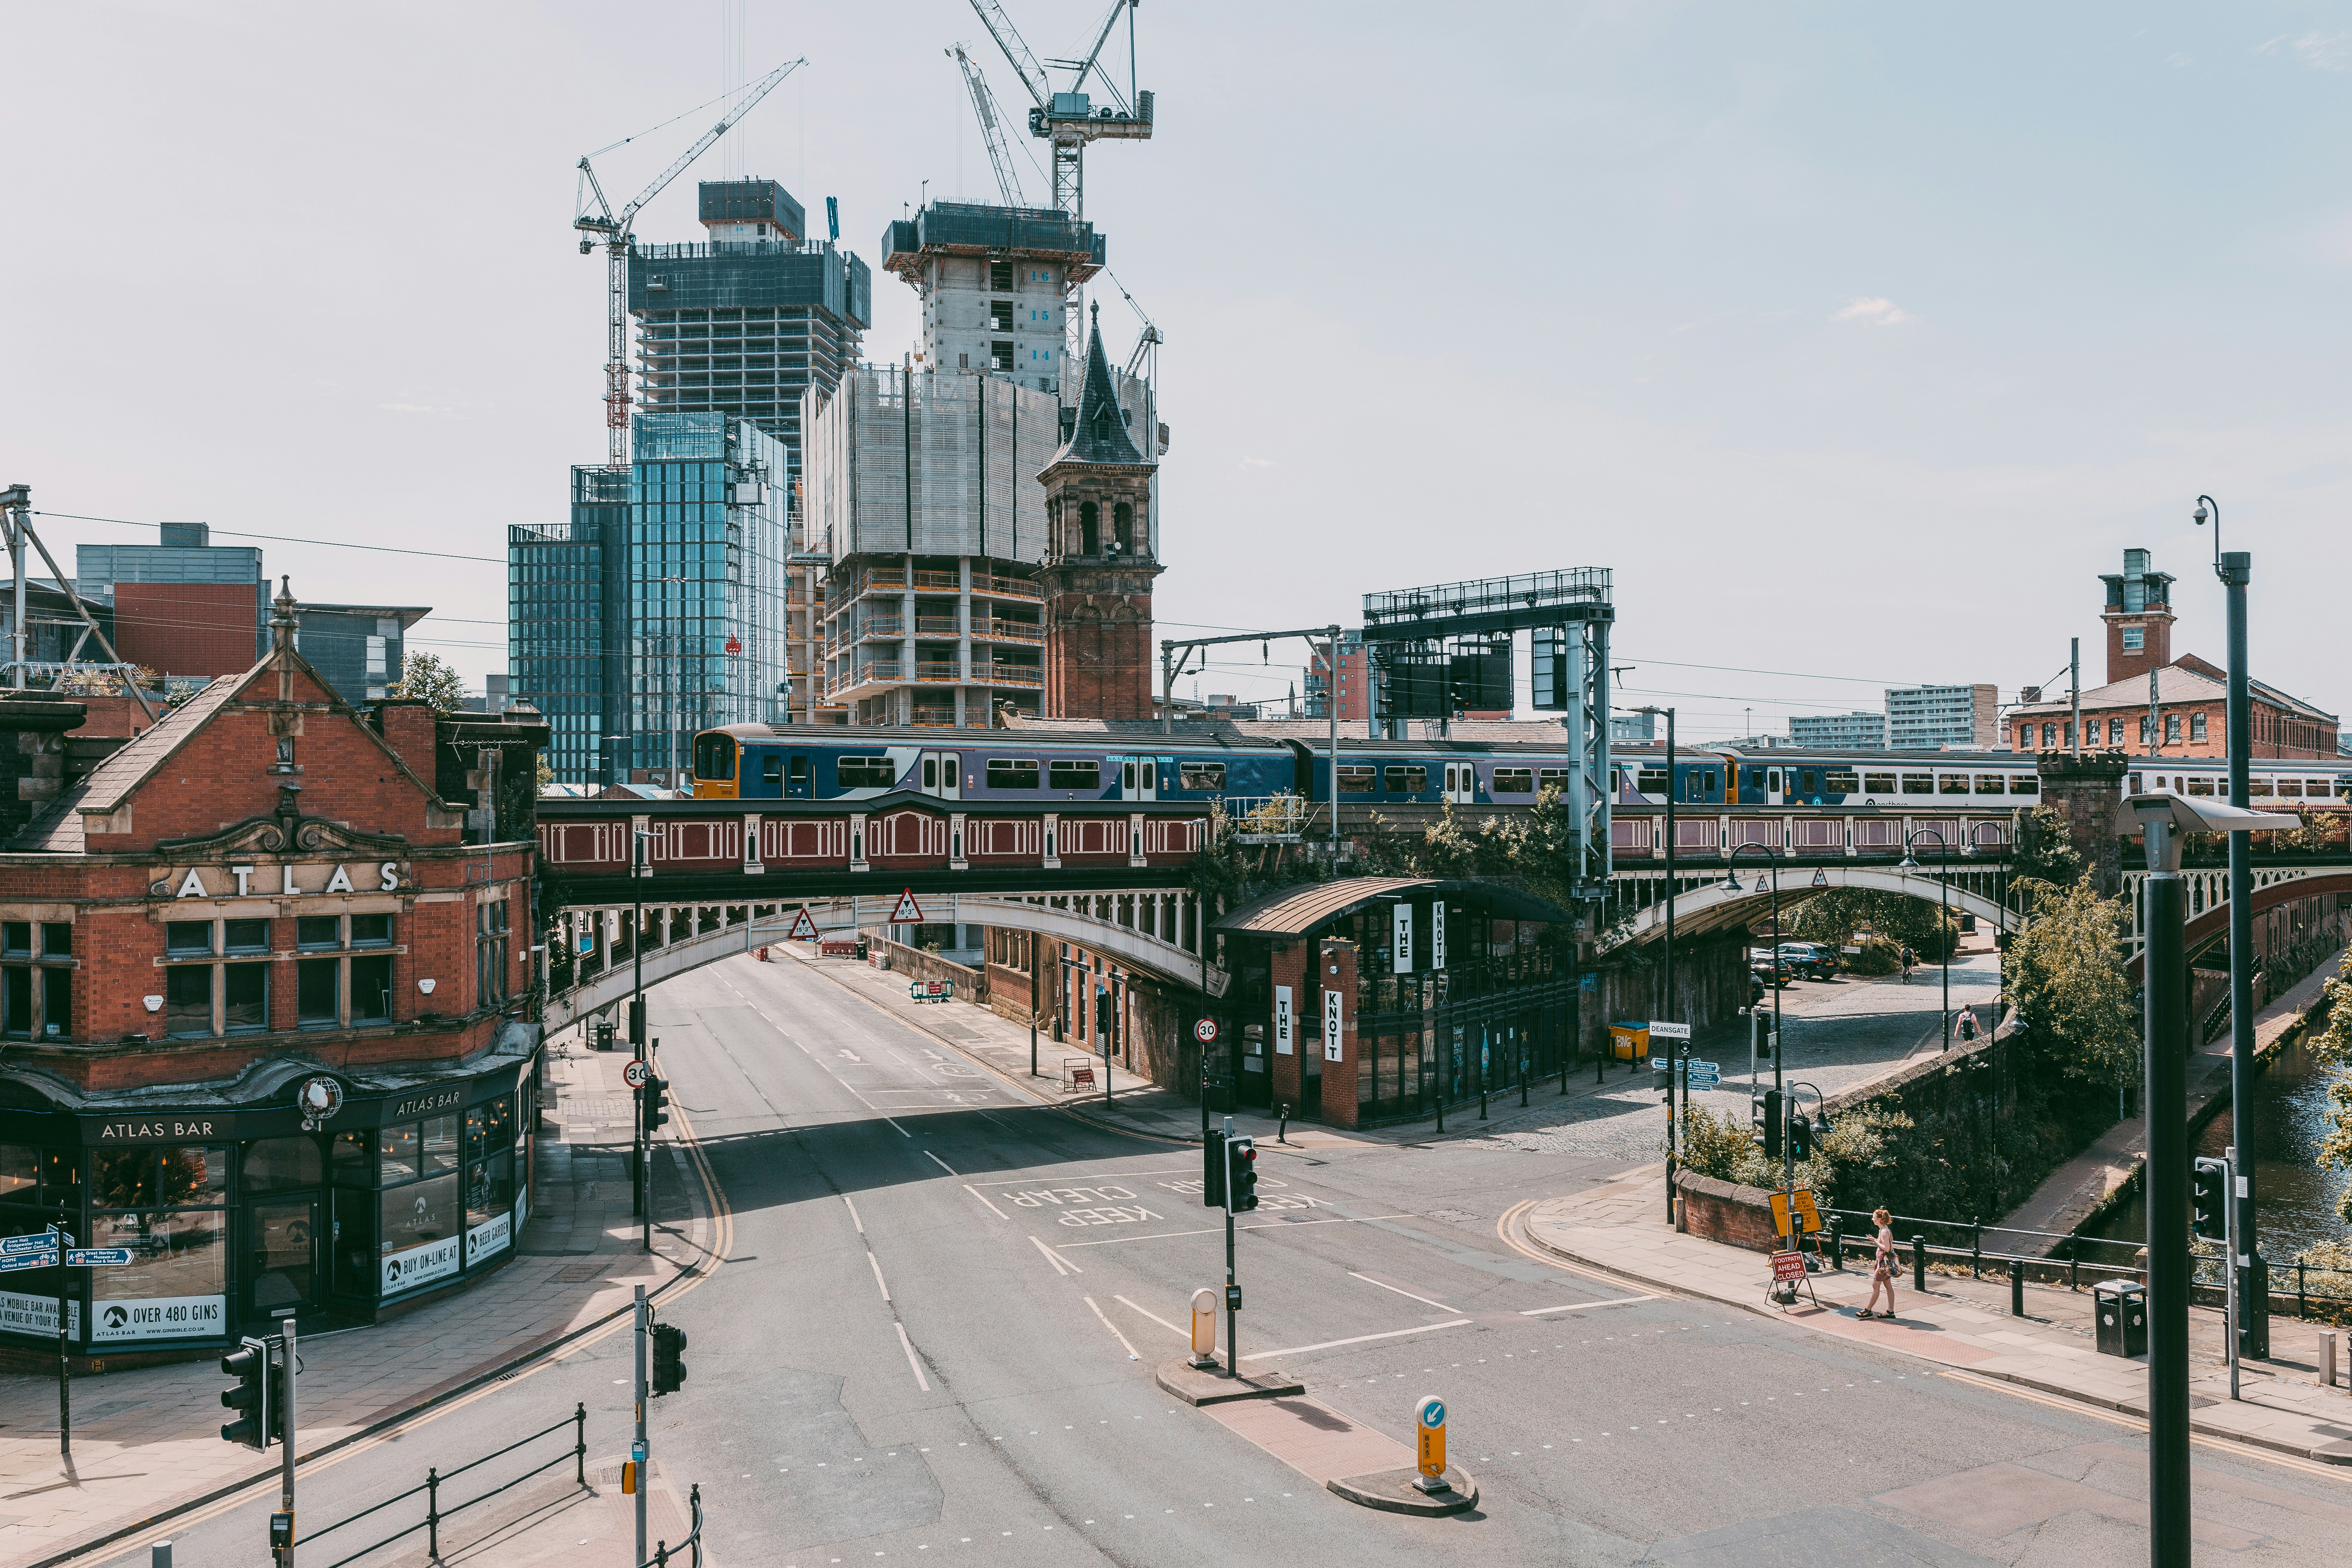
[(1295, 912)]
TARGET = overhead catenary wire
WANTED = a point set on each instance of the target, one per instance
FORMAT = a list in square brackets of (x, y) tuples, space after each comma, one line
[(287, 539)]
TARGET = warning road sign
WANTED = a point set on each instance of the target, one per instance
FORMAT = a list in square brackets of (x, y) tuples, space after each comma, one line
[(803, 927), (1788, 1265), (908, 912)]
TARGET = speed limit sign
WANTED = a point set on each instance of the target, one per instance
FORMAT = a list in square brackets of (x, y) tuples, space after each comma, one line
[(1205, 1031), (636, 1074)]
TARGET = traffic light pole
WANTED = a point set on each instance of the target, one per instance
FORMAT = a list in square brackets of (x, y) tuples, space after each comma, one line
[(638, 1453), (2166, 1067), (65, 1348), (2232, 1306), (286, 1444), (1232, 1318)]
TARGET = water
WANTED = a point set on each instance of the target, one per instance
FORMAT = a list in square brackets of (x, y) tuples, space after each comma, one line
[(2296, 1198)]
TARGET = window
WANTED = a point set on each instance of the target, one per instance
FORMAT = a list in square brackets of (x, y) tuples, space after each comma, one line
[(1358, 778), (1000, 353), (1918, 784), (185, 937), (16, 938), (1992, 783), (490, 953), (1878, 783), (245, 997), (317, 930), (2292, 788), (1076, 775), (370, 990), (1415, 780), (2143, 728), (318, 982), (2200, 784), (999, 276), (2257, 786), (2172, 729), (867, 773), (57, 939), (246, 936), (1840, 781), (371, 930), (2135, 638), (2197, 726), (800, 772), (2024, 784), (1013, 772), (714, 757), (1550, 779), (188, 1000), (1200, 776), (1952, 783), (771, 770), (1653, 780), (999, 314)]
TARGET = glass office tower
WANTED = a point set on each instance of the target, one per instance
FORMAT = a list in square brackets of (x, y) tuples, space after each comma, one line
[(659, 608)]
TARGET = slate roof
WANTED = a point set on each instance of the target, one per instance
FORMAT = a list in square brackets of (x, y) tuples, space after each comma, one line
[(2187, 680), (1101, 434)]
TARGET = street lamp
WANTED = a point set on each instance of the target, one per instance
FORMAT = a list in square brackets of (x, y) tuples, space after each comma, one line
[(2236, 570), (1908, 864), (1669, 1004), (1731, 885)]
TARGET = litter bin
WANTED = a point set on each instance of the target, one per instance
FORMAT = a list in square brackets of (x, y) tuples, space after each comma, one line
[(2121, 1309)]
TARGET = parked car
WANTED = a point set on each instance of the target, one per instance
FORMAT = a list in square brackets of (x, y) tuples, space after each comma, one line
[(1765, 972), (1810, 958)]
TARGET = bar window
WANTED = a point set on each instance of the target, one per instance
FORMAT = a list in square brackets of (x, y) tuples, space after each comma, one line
[(318, 985), (245, 936), (313, 931), (56, 1002), (245, 997), (187, 938), (188, 1000), (370, 990), (16, 938), (371, 930), (440, 1144), (400, 1152), (57, 939), (17, 1003)]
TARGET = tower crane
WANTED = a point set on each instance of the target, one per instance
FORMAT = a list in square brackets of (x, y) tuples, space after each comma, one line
[(991, 129), (617, 241)]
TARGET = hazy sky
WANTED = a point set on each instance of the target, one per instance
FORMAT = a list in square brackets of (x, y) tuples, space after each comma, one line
[(1857, 339)]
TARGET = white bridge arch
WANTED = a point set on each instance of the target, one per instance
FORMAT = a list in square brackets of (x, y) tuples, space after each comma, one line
[(1703, 902)]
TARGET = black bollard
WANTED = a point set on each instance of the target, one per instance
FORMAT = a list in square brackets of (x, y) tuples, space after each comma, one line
[(1920, 1263), (1282, 1123), (2017, 1287)]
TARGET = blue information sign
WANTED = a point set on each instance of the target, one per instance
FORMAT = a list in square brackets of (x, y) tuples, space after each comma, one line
[(96, 1257), (16, 1261)]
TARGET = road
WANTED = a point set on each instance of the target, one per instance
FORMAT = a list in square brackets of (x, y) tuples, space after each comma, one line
[(933, 1334)]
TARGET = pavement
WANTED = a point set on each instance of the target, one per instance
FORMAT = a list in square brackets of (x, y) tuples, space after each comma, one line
[(1963, 1324), (2078, 1189), (146, 1441)]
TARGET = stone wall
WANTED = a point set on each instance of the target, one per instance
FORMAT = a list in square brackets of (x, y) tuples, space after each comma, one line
[(913, 963), (1725, 1211), (2086, 790), (1710, 985)]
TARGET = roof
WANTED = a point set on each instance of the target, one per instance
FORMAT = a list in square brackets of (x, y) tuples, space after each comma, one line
[(58, 827), (407, 614), (1295, 912), (1100, 435), (2185, 679)]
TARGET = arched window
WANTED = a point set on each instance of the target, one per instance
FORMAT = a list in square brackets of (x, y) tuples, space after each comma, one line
[(1090, 530), (1122, 521)]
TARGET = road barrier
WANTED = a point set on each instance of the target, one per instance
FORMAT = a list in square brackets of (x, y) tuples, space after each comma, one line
[(434, 1513)]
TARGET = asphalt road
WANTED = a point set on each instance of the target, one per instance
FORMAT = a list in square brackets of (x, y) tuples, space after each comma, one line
[(933, 1338)]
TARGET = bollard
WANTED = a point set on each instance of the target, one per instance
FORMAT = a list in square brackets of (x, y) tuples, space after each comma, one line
[(2302, 1307), (2073, 1263), (1282, 1123), (432, 1513), (2017, 1287), (2326, 1365), (1428, 1428), (159, 1555), (1837, 1242), (579, 1443), (1204, 1328), (1920, 1263), (1976, 1250)]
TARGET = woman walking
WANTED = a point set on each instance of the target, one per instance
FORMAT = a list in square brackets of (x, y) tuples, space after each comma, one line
[(1882, 1267)]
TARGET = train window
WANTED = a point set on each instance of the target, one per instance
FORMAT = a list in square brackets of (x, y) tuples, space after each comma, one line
[(771, 769), (1952, 783), (1414, 780), (1992, 783), (1200, 776), (1878, 783), (1126, 775), (1062, 774), (2257, 786), (1651, 781), (1756, 778), (1840, 781), (2291, 787), (1772, 779), (2200, 784), (1013, 772), (1356, 778), (2132, 785), (1714, 781), (1812, 784), (800, 772), (1557, 779), (714, 757), (2025, 783), (867, 773), (1918, 784), (1507, 781)]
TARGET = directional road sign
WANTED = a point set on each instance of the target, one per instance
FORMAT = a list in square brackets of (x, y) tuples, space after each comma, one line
[(1669, 1031), (46, 1241), (16, 1261), (636, 1074), (1702, 1079), (96, 1257)]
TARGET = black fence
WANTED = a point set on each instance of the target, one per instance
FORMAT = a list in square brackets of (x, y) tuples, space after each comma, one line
[(1465, 1049), (433, 1478)]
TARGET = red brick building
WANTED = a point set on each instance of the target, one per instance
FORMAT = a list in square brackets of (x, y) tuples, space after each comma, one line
[(263, 1005), (1100, 560)]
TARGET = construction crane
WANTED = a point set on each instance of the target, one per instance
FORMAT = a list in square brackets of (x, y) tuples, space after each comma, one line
[(991, 129), (617, 242), (1069, 120)]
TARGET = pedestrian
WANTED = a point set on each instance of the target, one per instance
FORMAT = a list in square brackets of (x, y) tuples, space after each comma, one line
[(1910, 958), (1968, 1030), (1881, 1267)]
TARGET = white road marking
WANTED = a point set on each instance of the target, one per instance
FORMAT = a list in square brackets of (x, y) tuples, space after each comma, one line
[(1579, 1306), (909, 1345), (1114, 1329), (1360, 1339), (999, 1213), (877, 1275), (1406, 1294), (1084, 1176), (1171, 1235), (1061, 1265), (1155, 1317), (942, 1165), (901, 1132), (853, 1214)]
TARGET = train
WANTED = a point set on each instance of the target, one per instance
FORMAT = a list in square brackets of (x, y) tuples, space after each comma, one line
[(764, 761)]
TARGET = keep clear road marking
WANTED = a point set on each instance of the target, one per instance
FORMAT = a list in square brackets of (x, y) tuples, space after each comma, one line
[(1360, 1339), (908, 1346), (853, 1214), (1062, 1266), (1155, 1317), (1114, 1329), (942, 1165), (878, 1277), (1579, 1306), (999, 1213), (1406, 1294)]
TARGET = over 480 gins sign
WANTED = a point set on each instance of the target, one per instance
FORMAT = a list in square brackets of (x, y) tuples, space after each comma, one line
[(286, 881)]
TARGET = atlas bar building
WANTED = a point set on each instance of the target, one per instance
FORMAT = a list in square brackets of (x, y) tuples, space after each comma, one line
[(263, 975)]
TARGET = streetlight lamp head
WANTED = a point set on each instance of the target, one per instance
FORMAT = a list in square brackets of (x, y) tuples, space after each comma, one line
[(1731, 883), (1908, 864)]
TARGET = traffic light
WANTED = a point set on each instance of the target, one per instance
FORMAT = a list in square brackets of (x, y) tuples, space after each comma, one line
[(249, 1364), (1212, 1169), (2209, 1200), (653, 1101), (669, 1358), (1243, 1153), (1801, 1138), (1102, 1014), (1772, 1123)]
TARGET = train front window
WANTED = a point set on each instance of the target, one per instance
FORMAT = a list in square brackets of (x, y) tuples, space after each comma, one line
[(714, 757)]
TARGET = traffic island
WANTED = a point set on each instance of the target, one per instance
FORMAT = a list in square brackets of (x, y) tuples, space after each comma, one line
[(1215, 1385), (1394, 1491)]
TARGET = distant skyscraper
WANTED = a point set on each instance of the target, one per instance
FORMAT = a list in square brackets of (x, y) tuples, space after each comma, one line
[(1925, 718)]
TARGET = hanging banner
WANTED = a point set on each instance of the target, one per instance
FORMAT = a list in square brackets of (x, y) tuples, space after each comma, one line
[(419, 1265), (1401, 942), (1282, 1044), (1335, 1018), (1437, 935)]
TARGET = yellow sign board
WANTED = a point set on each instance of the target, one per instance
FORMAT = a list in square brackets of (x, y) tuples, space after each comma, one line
[(1429, 1422), (1808, 1212)]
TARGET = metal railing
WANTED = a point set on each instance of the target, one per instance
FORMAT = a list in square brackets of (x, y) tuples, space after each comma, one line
[(662, 1552), (434, 1513), (1265, 818)]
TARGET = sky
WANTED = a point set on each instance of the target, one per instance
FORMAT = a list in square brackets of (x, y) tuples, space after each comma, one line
[(1856, 340)]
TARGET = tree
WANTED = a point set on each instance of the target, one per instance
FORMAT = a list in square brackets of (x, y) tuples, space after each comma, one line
[(2064, 974), (2044, 851), (1834, 916), (2333, 1044), (423, 675)]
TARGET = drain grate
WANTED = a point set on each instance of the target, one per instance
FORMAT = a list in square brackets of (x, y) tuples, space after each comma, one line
[(578, 1273)]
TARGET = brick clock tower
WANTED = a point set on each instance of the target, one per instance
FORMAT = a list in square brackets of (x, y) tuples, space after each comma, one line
[(1100, 560), (2139, 617)]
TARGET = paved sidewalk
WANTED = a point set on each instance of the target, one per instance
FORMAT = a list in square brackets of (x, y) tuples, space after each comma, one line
[(2073, 1192), (147, 1440), (1963, 1324)]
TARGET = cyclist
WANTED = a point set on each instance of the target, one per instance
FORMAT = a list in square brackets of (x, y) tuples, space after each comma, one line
[(1910, 958)]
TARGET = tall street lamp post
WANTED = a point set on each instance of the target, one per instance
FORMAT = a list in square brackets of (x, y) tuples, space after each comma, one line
[(2236, 570), (1731, 885), (1944, 937), (1669, 1002)]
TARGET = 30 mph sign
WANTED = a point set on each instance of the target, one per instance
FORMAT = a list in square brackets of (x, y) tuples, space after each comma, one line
[(1205, 1031), (636, 1074)]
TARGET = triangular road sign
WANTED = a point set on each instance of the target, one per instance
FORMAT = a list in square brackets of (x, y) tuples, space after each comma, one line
[(908, 912), (803, 927)]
